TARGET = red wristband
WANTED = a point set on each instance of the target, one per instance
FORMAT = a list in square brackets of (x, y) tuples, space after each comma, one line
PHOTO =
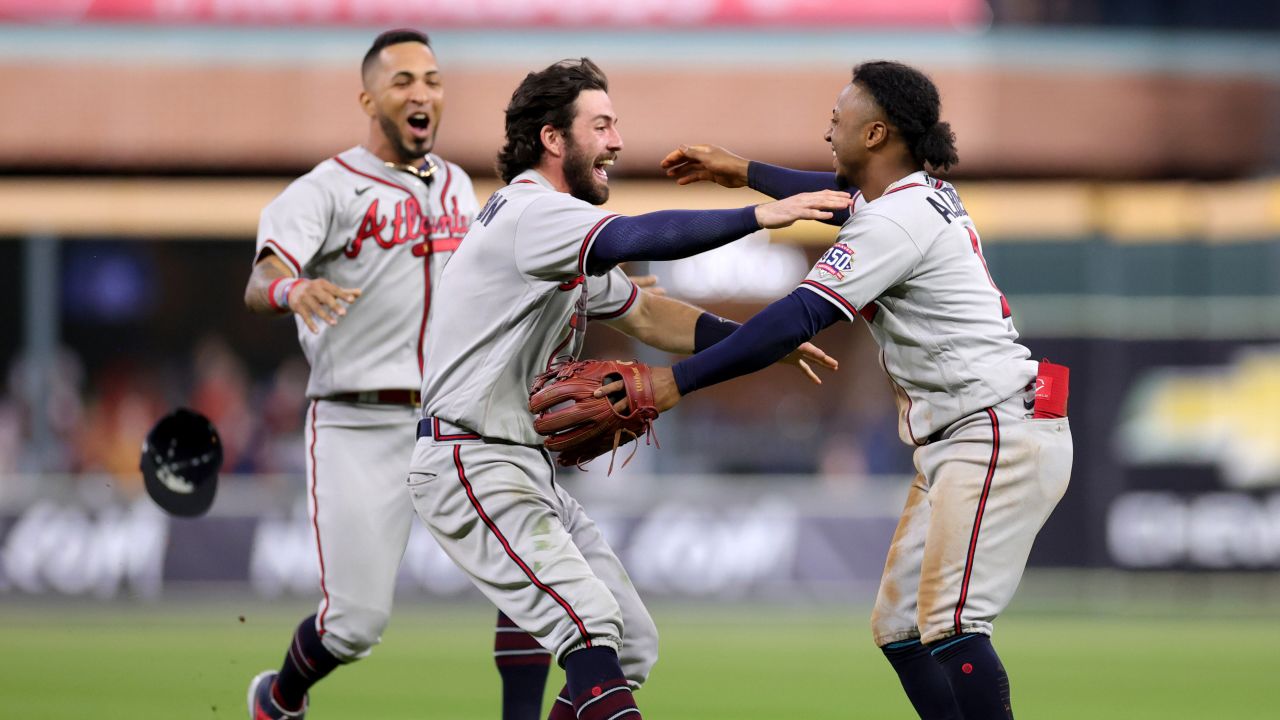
[(278, 306), (271, 294)]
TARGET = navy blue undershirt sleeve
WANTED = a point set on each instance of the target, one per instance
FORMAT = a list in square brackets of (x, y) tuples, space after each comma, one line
[(779, 182), (667, 235), (711, 329), (768, 337)]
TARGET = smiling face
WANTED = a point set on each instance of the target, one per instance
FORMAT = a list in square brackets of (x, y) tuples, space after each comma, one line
[(857, 128), (591, 146), (404, 96)]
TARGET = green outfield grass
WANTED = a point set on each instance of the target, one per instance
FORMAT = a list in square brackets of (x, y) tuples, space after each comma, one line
[(176, 660)]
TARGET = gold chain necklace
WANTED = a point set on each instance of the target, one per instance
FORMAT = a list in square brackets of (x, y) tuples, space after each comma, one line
[(423, 173)]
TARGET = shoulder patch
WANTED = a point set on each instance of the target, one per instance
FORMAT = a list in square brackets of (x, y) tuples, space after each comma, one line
[(836, 261)]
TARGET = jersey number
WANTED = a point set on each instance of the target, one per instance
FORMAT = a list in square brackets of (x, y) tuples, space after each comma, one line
[(1005, 311)]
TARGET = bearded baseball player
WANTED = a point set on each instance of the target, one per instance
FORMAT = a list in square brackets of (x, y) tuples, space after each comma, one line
[(354, 249), (993, 444), (514, 302)]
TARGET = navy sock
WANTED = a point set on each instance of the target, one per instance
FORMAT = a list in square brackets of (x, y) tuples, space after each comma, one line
[(562, 708), (523, 665), (597, 686), (306, 662), (978, 679), (923, 680)]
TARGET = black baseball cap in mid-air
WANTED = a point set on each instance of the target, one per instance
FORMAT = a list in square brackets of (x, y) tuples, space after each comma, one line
[(181, 458)]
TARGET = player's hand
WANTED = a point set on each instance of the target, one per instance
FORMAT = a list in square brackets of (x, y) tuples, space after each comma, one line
[(665, 392), (648, 283), (692, 163), (804, 206), (320, 299), (807, 354)]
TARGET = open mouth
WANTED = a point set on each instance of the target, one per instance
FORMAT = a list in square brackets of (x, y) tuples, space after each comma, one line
[(419, 125), (599, 169)]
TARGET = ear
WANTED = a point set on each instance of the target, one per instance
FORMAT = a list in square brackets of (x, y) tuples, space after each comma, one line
[(366, 104), (552, 140), (877, 134)]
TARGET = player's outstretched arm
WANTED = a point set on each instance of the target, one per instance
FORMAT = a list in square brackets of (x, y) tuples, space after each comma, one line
[(696, 163), (676, 234), (689, 164), (273, 289), (818, 205), (771, 335), (648, 283), (661, 322), (678, 327)]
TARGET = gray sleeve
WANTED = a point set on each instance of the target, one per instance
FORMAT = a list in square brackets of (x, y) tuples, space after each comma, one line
[(295, 224), (872, 254), (611, 295), (554, 234)]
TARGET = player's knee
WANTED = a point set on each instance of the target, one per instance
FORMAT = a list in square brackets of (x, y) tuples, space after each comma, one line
[(353, 634)]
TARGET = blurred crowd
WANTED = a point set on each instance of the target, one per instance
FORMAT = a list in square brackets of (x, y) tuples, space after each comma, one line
[(99, 416)]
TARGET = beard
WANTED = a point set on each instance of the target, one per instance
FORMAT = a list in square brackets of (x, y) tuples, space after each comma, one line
[(409, 150), (578, 166)]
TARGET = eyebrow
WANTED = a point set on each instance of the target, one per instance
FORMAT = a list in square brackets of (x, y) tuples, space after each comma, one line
[(409, 74)]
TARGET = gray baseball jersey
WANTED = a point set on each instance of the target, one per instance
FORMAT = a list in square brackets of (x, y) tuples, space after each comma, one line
[(911, 264), (514, 300), (988, 472), (358, 223)]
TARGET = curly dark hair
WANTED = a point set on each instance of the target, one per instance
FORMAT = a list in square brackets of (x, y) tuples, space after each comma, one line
[(546, 97), (911, 102)]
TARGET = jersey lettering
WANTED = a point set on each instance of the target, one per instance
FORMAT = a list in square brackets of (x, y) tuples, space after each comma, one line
[(454, 225), (947, 202), (490, 209), (445, 232), (408, 223), (1005, 310), (954, 197), (370, 227)]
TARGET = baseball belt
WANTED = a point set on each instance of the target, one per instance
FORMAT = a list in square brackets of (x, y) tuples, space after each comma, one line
[(379, 397)]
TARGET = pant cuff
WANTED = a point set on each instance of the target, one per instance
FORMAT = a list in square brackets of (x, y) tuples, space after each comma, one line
[(602, 641)]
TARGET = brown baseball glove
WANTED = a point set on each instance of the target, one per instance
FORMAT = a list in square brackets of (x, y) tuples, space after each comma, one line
[(580, 426)]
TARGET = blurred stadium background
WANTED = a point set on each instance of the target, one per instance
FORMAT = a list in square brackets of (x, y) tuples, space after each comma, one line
[(1121, 157)]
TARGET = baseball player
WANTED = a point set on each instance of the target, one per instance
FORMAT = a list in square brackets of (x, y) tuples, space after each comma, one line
[(537, 265), (993, 445), (354, 250)]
